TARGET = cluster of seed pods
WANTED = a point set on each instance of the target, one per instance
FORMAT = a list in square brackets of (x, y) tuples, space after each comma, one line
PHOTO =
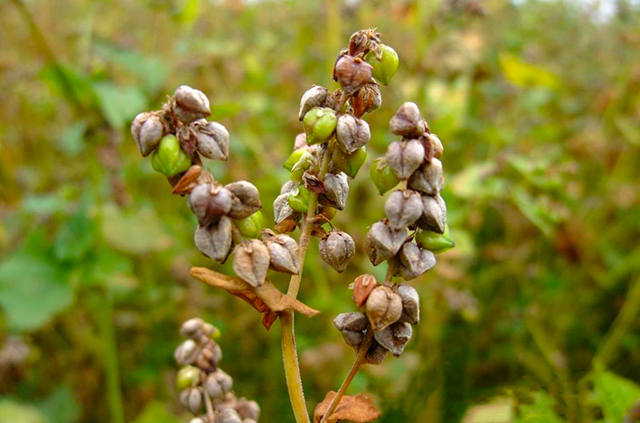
[(203, 386)]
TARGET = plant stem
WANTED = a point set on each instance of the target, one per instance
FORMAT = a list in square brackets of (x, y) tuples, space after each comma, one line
[(209, 406)]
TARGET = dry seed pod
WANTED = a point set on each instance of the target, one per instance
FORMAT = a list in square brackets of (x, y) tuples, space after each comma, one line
[(352, 73), (300, 141), (405, 157), (383, 307), (214, 241), (209, 203), (202, 419), (251, 262), (147, 129), (213, 140), (407, 121), (410, 304), (367, 99), (429, 178), (190, 104), (403, 207), (337, 189), (355, 321), (288, 186), (336, 249), (434, 214), (385, 239), (352, 133), (192, 328), (283, 253), (248, 409), (193, 400), (352, 338), (282, 210), (376, 354), (415, 261), (245, 199), (436, 145), (213, 387), (362, 287), (315, 96), (229, 415), (394, 337), (187, 352)]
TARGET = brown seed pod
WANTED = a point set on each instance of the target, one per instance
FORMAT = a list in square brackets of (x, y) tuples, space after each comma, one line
[(383, 242), (245, 199), (212, 140), (415, 261), (282, 211), (192, 399), (353, 338), (352, 133), (403, 207), (336, 190), (247, 409), (190, 104), (354, 321), (410, 304), (251, 262), (376, 353), (362, 287), (316, 96), (407, 121), (366, 100), (336, 249), (147, 129), (300, 141), (352, 73), (214, 240), (434, 214), (187, 352), (212, 386), (209, 202), (436, 145), (429, 178), (383, 307), (394, 337), (283, 253), (405, 157)]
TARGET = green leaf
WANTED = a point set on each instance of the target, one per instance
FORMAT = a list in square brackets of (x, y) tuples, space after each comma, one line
[(526, 75), (541, 411), (156, 412), (61, 406), (72, 140), (134, 233), (74, 238), (615, 394), (32, 291), (532, 210), (70, 83), (14, 412), (119, 105)]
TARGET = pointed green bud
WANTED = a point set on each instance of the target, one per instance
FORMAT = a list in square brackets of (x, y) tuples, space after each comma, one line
[(250, 227), (385, 63), (169, 159), (299, 199), (298, 169), (383, 176), (319, 124), (436, 243), (349, 163), (187, 376)]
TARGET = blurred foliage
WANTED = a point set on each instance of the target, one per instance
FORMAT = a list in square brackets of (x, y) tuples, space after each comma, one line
[(538, 106)]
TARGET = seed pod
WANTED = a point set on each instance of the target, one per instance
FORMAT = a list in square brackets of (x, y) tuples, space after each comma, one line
[(295, 158), (194, 400), (213, 387), (434, 214), (362, 287), (383, 177), (394, 337), (352, 338), (300, 167), (436, 145), (213, 140), (288, 186), (187, 376), (337, 189), (405, 157), (336, 249), (245, 199), (385, 63), (248, 410), (384, 236), (410, 304), (354, 321), (298, 199), (367, 99), (251, 262), (319, 124), (202, 419), (352, 73), (147, 129), (403, 207), (415, 261), (316, 96), (225, 381), (300, 142), (229, 415), (434, 242), (192, 328), (350, 164), (250, 227), (283, 251), (407, 121), (168, 158), (214, 241), (429, 178), (190, 104), (187, 352), (376, 353), (383, 307), (209, 203), (352, 133), (281, 209), (209, 357)]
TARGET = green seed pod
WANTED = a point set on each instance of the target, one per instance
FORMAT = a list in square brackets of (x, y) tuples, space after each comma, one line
[(187, 376), (385, 63), (301, 166), (250, 227), (436, 243), (299, 199), (319, 124), (383, 176), (169, 159), (294, 158)]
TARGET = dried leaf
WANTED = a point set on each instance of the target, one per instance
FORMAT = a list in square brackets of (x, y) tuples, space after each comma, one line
[(286, 226), (188, 181), (313, 183), (358, 409), (362, 287)]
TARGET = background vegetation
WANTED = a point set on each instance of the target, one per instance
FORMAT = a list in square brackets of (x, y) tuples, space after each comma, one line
[(533, 313)]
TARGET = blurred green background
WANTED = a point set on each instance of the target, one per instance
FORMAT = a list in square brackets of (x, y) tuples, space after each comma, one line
[(532, 317)]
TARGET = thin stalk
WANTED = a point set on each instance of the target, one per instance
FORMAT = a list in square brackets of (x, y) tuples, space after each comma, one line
[(209, 406)]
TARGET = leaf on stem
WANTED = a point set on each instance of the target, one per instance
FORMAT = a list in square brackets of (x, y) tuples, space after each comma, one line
[(358, 409)]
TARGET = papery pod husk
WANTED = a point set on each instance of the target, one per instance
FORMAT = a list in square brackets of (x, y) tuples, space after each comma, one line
[(245, 199), (300, 142), (362, 287), (350, 164), (405, 157), (376, 353), (407, 121), (193, 400), (429, 178), (187, 352), (225, 381), (337, 190), (282, 211), (288, 186), (147, 129), (336, 249), (209, 202), (410, 304), (383, 307), (367, 99), (386, 239), (212, 386), (352, 73), (434, 214), (436, 145), (284, 255), (251, 262), (352, 133), (190, 104), (247, 409), (403, 208), (228, 415), (212, 140), (415, 261), (355, 321), (316, 96), (214, 240), (394, 337), (353, 338)]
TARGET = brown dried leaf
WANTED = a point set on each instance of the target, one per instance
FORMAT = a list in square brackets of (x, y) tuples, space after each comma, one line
[(314, 183), (267, 299), (318, 231), (286, 226), (358, 409), (362, 287)]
